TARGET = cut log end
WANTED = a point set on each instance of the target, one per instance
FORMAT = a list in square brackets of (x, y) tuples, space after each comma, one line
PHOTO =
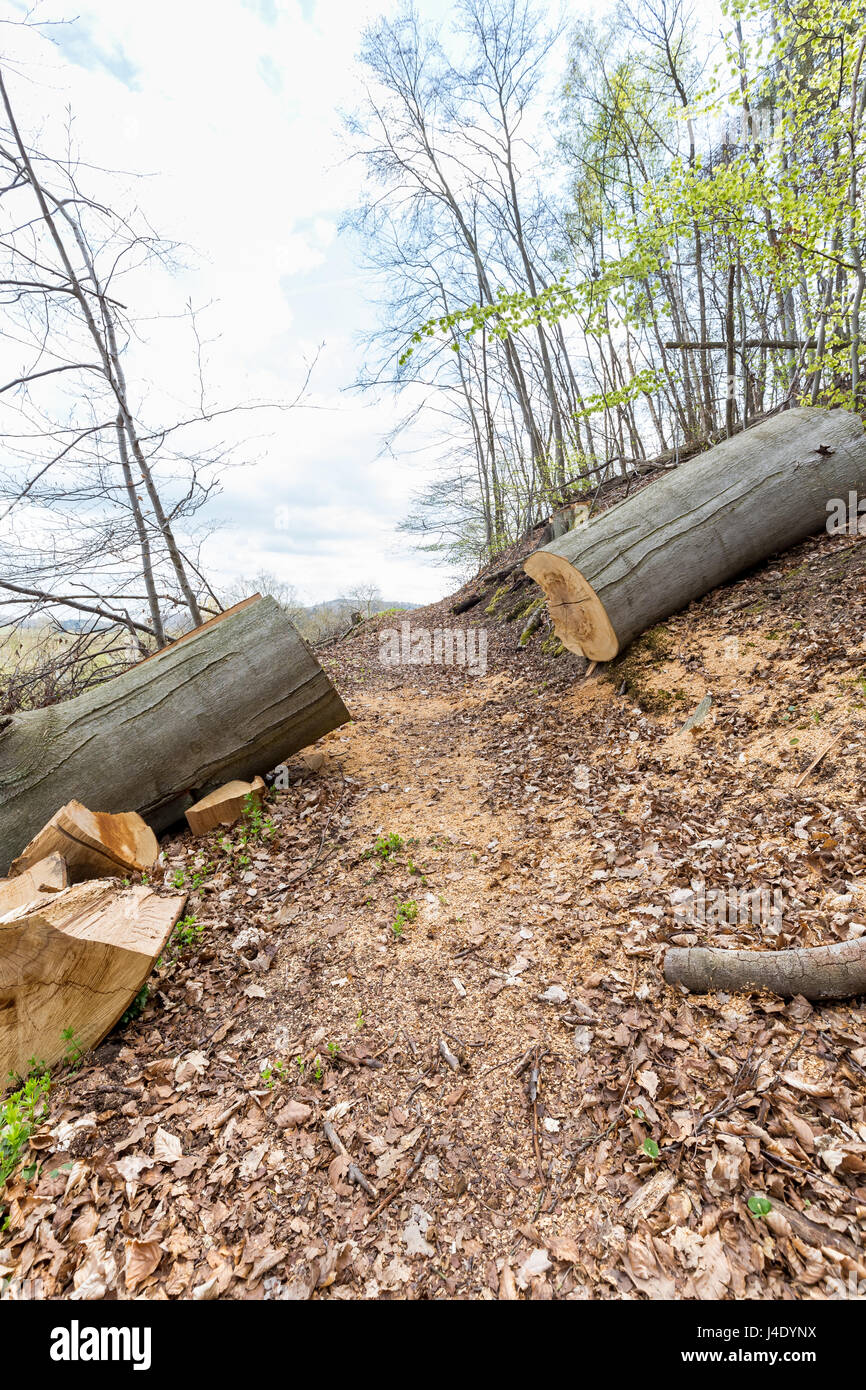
[(577, 613)]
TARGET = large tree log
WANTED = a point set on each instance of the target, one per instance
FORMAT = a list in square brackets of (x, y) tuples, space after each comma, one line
[(231, 699), (699, 526), (73, 964), (816, 972)]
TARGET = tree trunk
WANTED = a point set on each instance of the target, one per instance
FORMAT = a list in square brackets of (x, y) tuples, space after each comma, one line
[(229, 700), (697, 527), (816, 972)]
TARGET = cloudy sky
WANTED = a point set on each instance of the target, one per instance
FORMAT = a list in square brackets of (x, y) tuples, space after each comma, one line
[(230, 109)]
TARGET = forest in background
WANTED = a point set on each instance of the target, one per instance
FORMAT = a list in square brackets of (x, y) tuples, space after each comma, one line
[(592, 265)]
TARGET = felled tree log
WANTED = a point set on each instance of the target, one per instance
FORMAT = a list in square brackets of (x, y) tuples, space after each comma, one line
[(92, 844), (230, 700), (75, 963), (816, 972), (757, 493)]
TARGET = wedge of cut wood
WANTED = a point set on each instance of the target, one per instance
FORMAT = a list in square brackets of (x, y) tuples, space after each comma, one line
[(224, 806), (46, 878), (76, 961), (93, 843)]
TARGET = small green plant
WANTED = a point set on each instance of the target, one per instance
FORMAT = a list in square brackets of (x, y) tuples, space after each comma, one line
[(19, 1114), (137, 1006), (651, 1149), (188, 932), (333, 1048), (256, 824), (385, 847), (199, 876), (760, 1206), (272, 1074), (359, 1021), (178, 878), (406, 912), (73, 1054)]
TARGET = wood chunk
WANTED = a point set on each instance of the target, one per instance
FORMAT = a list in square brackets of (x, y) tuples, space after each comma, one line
[(224, 806), (77, 961), (47, 877), (94, 844)]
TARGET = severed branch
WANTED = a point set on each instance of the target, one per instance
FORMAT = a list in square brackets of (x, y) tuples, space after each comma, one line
[(816, 972)]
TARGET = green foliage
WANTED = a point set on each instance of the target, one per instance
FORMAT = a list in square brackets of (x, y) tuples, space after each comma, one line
[(19, 1114), (760, 1206), (256, 824), (406, 912), (73, 1053), (137, 1006), (385, 847)]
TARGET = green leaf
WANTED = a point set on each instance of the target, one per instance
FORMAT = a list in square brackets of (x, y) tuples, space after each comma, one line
[(759, 1206)]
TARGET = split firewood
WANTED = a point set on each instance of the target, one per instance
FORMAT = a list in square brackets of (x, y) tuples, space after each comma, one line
[(224, 806), (47, 877), (816, 972), (762, 491), (94, 844), (73, 964)]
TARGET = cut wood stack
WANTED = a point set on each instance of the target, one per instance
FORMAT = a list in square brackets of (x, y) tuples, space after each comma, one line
[(91, 843)]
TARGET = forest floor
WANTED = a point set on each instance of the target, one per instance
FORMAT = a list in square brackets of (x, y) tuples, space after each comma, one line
[(419, 1043)]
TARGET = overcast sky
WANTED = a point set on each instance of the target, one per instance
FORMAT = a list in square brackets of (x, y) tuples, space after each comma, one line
[(230, 108)]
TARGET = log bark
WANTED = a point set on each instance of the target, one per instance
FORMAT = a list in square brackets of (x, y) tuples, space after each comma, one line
[(231, 699), (816, 972), (76, 962), (760, 492)]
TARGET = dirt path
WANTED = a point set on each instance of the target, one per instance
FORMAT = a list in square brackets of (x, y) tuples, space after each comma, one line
[(422, 1045)]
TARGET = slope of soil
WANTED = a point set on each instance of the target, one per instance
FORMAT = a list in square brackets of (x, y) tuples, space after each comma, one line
[(418, 1043)]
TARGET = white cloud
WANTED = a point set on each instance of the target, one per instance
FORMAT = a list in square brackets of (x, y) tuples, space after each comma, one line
[(230, 110)]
